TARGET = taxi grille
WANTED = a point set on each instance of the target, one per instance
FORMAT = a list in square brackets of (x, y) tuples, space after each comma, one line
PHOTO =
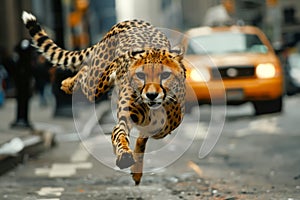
[(233, 72)]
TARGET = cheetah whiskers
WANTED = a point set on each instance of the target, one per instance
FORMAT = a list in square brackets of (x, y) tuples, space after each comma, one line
[(171, 98)]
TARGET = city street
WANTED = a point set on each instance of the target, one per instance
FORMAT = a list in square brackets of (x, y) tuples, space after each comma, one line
[(56, 57), (256, 157)]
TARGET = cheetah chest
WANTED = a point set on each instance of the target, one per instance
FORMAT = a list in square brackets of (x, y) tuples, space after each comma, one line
[(157, 124)]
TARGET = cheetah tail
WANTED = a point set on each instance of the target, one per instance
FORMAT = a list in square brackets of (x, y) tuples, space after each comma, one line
[(56, 55)]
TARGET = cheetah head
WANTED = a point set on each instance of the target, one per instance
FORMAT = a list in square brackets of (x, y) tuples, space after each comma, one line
[(156, 75)]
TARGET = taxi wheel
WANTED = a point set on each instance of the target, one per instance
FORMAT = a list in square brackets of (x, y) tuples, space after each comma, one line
[(270, 106)]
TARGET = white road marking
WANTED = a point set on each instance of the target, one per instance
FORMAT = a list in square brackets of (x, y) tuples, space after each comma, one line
[(62, 169), (78, 159), (67, 169), (42, 171), (50, 191), (50, 199)]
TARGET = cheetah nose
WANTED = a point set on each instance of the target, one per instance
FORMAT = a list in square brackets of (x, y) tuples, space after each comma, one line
[(151, 95)]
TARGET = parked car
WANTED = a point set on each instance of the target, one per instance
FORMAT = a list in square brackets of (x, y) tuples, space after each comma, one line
[(292, 74), (237, 62), (289, 53)]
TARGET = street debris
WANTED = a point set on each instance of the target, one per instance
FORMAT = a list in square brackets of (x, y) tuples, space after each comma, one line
[(12, 147), (196, 168)]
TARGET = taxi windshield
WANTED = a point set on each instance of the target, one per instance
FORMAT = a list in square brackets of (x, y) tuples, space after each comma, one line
[(226, 42)]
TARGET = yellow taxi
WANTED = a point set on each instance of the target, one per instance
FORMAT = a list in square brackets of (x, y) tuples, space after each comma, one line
[(236, 63)]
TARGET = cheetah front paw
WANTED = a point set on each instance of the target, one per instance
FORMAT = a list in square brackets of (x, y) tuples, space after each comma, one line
[(125, 160), (67, 85)]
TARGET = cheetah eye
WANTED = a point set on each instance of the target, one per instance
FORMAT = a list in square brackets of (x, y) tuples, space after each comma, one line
[(140, 75), (165, 75)]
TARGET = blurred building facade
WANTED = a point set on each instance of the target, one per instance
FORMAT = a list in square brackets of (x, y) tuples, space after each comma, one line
[(277, 18), (161, 13), (274, 16), (11, 26)]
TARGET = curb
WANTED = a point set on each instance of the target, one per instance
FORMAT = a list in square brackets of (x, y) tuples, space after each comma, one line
[(37, 142)]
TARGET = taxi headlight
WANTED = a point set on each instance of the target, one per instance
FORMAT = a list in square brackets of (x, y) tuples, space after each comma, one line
[(200, 75), (265, 70)]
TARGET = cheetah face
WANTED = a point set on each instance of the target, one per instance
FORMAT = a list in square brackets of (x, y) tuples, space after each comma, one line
[(151, 82), (156, 75)]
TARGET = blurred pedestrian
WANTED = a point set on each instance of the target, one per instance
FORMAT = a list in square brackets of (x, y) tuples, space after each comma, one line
[(8, 63), (23, 81), (42, 78), (3, 76), (220, 15)]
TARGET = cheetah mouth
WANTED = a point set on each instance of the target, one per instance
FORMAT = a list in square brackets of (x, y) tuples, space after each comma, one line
[(153, 104)]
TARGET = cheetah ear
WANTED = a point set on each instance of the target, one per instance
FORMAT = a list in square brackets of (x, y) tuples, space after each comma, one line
[(178, 52), (136, 51)]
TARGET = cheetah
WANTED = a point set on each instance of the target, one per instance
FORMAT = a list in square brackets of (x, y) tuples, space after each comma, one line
[(137, 59)]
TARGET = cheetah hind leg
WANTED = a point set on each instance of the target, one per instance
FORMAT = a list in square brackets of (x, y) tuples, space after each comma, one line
[(137, 168), (70, 84)]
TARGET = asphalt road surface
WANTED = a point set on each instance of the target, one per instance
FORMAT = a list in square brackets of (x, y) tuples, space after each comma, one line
[(256, 157)]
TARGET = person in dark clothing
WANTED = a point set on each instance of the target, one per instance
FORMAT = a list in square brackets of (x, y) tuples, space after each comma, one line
[(23, 81)]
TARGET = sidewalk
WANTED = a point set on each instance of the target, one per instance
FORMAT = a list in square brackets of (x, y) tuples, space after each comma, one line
[(17, 144)]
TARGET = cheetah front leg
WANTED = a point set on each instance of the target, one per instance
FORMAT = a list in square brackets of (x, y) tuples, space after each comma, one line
[(120, 134), (137, 168), (120, 141)]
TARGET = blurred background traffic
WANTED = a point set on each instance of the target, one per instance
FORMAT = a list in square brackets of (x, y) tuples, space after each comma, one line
[(76, 24)]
